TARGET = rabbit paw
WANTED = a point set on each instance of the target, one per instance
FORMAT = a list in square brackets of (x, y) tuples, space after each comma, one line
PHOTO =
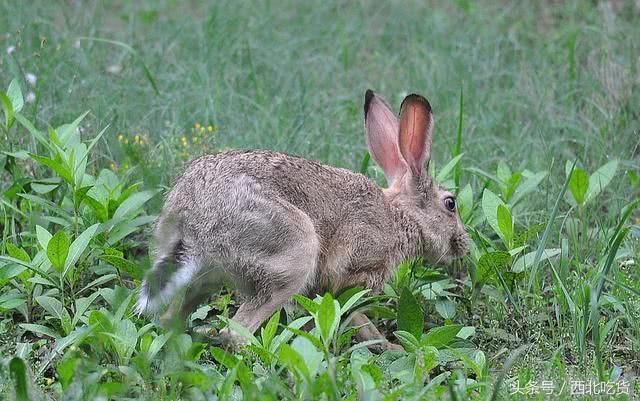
[(394, 347), (231, 340)]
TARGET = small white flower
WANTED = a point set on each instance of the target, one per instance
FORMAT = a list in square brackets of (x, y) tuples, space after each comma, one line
[(114, 69), (31, 78), (627, 263), (11, 49), (31, 97)]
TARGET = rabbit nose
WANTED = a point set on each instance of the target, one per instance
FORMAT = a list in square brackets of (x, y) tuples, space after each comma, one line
[(460, 244)]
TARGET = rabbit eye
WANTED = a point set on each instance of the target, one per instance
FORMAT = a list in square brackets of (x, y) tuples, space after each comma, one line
[(450, 203)]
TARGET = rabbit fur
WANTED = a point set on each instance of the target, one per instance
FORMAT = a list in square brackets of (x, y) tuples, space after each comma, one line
[(274, 225)]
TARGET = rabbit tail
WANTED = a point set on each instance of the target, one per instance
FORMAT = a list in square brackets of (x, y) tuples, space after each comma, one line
[(171, 271)]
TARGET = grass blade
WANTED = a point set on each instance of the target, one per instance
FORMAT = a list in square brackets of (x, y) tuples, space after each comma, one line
[(595, 334), (506, 368), (547, 230), (458, 148), (364, 165)]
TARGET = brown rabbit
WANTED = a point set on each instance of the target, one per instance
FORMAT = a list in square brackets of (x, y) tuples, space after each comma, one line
[(275, 225)]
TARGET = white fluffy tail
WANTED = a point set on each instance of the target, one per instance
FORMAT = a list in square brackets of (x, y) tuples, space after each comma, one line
[(171, 270)]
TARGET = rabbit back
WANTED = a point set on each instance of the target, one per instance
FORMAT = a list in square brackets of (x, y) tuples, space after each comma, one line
[(235, 210)]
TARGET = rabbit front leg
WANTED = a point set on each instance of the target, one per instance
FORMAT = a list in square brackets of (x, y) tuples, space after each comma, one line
[(368, 332)]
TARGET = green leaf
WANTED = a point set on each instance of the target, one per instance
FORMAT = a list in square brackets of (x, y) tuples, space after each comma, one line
[(126, 227), (124, 265), (352, 300), (10, 271), (80, 193), (58, 250), (466, 332), (78, 246), (522, 237), (68, 133), (301, 333), (510, 186), (440, 337), (15, 96), (523, 262), (157, 344), (505, 223), (600, 179), (579, 185), (224, 358), (39, 329), (99, 281), (410, 314), (326, 317), (11, 302), (81, 306), (55, 308), (294, 361), (465, 202), (16, 252), (132, 205), (309, 353), (307, 303), (33, 131), (46, 185), (7, 107), (18, 372), (488, 263), (446, 308), (269, 330), (490, 203), (634, 179), (286, 335), (57, 166), (364, 165), (66, 370), (408, 341), (75, 337), (448, 168), (530, 183), (503, 172)]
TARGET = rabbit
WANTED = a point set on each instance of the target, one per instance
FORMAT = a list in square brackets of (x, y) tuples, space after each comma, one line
[(274, 225)]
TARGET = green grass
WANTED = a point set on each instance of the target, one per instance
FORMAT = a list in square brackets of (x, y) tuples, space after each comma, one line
[(543, 84)]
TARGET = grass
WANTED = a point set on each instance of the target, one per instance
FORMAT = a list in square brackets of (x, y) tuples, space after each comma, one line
[(517, 88)]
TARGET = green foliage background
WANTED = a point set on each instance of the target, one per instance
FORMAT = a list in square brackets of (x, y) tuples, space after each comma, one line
[(537, 122)]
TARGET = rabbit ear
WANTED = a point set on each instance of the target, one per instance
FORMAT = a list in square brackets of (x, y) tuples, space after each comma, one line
[(416, 125), (381, 126)]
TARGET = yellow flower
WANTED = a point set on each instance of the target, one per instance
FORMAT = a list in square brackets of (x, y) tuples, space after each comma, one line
[(197, 125), (136, 139), (210, 128), (113, 167), (120, 138)]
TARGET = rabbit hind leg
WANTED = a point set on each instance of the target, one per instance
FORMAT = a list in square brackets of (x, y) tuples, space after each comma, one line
[(275, 280), (201, 285)]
